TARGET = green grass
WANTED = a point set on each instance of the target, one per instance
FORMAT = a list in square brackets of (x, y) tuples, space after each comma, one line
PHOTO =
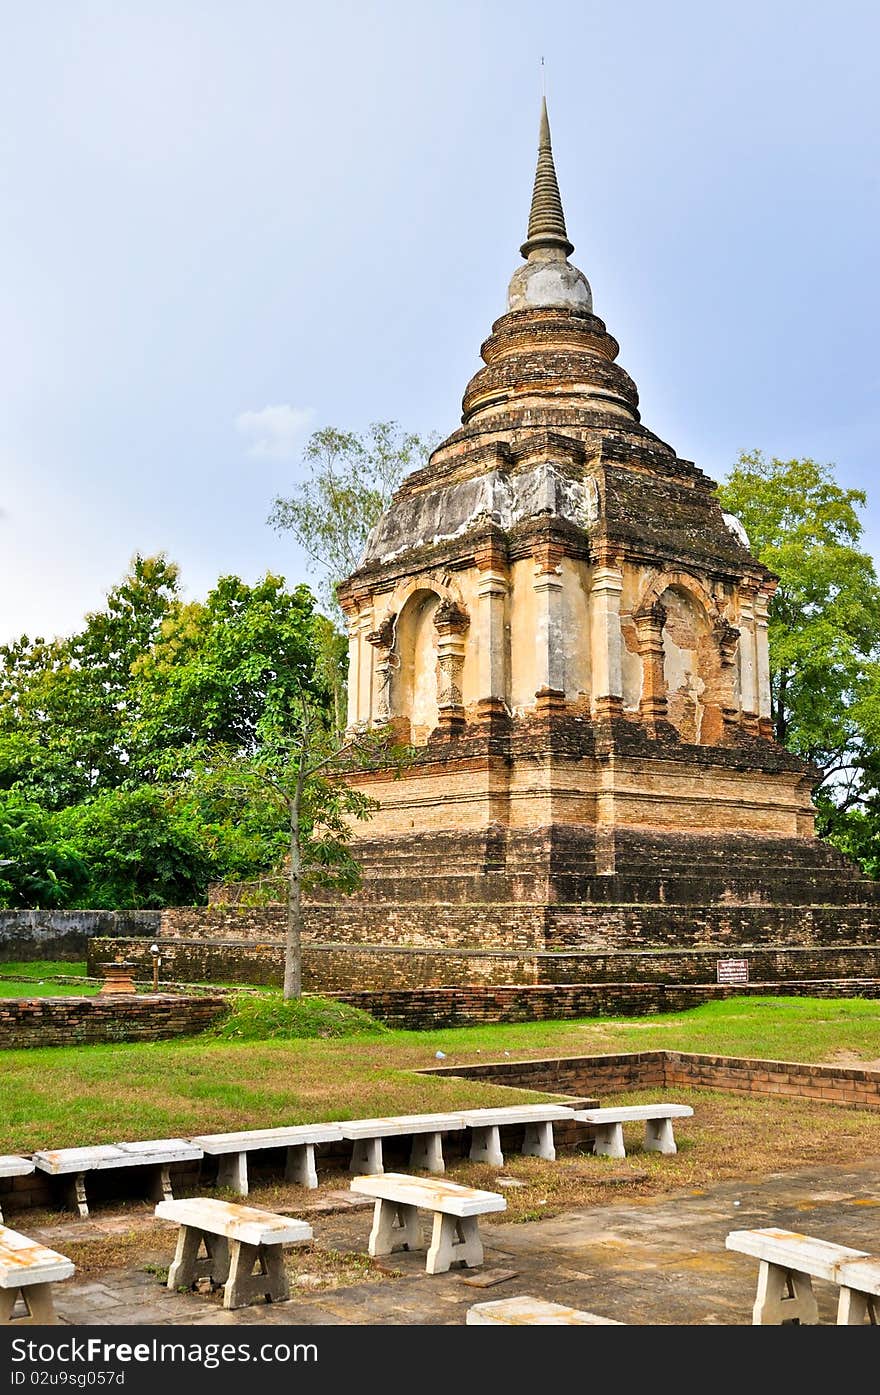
[(64, 1096), (44, 968), (50, 988), (266, 1017)]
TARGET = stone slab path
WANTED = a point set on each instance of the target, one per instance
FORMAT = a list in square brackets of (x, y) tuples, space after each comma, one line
[(656, 1261)]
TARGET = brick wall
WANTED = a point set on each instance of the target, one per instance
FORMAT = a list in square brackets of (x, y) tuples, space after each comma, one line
[(76, 1021), (66, 934), (670, 1070), (341, 968), (461, 1006)]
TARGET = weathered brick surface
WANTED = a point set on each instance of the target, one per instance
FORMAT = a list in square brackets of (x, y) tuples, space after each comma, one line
[(26, 935), (458, 1007), (75, 1021), (640, 1070), (337, 968)]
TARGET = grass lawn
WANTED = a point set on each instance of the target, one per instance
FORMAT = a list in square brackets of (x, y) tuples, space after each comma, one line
[(65, 1096), (43, 968), (39, 978)]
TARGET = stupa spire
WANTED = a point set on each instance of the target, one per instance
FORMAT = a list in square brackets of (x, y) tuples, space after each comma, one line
[(546, 218)]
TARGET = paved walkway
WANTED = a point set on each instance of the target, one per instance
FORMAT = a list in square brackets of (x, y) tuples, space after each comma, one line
[(652, 1262)]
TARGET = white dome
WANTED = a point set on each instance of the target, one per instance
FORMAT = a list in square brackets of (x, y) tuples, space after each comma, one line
[(737, 529), (546, 281)]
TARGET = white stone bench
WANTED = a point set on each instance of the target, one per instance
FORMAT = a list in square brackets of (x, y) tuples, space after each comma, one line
[(524, 1311), (788, 1263), (11, 1165), (238, 1240), (609, 1122), (27, 1272), (156, 1155), (455, 1237), (299, 1140), (426, 1131), (538, 1137)]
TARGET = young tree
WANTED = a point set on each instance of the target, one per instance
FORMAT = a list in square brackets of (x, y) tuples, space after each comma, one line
[(824, 618), (351, 478)]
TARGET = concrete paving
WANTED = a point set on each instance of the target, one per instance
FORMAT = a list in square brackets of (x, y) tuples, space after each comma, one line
[(657, 1261)]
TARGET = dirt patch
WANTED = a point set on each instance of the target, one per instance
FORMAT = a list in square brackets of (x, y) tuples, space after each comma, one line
[(851, 1060)]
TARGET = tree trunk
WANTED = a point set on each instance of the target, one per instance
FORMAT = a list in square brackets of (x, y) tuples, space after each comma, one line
[(293, 944)]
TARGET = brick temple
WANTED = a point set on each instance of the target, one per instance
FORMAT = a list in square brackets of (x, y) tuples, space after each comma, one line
[(559, 618)]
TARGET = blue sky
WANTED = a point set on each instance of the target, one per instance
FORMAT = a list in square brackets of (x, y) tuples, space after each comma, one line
[(211, 209)]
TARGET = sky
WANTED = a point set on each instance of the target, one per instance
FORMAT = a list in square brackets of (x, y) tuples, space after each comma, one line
[(226, 224)]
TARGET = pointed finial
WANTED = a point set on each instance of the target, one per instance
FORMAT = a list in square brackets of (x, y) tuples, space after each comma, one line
[(546, 218)]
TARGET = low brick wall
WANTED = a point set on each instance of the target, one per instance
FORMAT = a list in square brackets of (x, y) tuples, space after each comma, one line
[(77, 1021), (462, 1006), (337, 968), (669, 1070), (67, 934)]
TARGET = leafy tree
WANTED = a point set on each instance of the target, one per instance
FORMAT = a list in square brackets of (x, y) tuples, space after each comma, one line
[(222, 667), (43, 868), (68, 706), (351, 478), (824, 618)]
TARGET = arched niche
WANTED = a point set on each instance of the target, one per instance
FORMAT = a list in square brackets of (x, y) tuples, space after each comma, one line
[(415, 686)]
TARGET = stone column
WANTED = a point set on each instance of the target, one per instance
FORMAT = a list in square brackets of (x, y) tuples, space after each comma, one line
[(549, 643), (365, 667), (606, 640), (354, 657), (492, 658), (451, 624), (748, 689), (649, 632), (727, 638), (762, 647), (385, 663)]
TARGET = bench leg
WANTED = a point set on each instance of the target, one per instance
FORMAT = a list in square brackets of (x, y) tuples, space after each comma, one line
[(538, 1141), (243, 1285), (38, 1305), (160, 1184), (486, 1146), (300, 1166), (78, 1196), (608, 1142), (454, 1240), (395, 1227), (427, 1152), (232, 1173), (366, 1157), (784, 1295), (854, 1308), (188, 1265), (659, 1137)]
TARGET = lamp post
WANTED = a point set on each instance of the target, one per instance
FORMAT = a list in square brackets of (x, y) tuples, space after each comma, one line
[(154, 950)]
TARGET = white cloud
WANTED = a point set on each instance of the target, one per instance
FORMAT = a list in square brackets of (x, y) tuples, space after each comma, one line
[(274, 432)]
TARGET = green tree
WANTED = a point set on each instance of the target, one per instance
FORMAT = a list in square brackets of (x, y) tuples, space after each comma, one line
[(68, 706), (350, 479), (824, 618)]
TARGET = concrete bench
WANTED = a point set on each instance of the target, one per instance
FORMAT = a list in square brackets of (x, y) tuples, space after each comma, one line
[(426, 1131), (27, 1272), (11, 1165), (157, 1155), (232, 1149), (525, 1311), (538, 1119), (238, 1240), (455, 1237), (609, 1123), (788, 1263)]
